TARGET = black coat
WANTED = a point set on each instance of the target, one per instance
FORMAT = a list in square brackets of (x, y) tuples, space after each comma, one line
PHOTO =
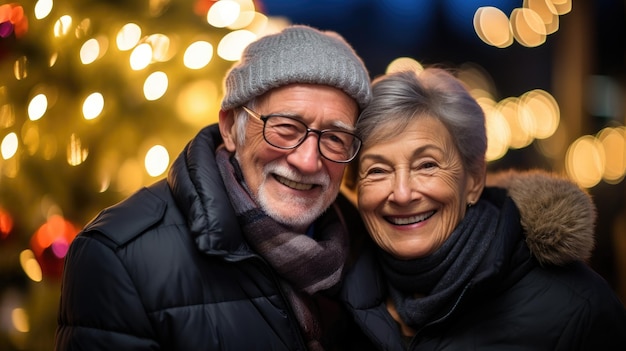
[(168, 269), (518, 298)]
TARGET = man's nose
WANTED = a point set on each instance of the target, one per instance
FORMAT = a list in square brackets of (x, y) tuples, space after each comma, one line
[(306, 157)]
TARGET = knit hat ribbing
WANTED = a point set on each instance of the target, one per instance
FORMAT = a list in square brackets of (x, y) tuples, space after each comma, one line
[(298, 54)]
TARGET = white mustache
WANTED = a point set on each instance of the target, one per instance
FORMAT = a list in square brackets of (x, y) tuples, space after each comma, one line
[(289, 175)]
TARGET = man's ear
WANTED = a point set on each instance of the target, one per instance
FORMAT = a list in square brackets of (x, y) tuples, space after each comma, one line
[(227, 129)]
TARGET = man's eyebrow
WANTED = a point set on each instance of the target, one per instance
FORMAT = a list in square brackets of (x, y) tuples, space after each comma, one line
[(335, 124), (343, 125)]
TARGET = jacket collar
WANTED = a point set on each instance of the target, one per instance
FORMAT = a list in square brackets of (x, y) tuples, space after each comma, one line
[(198, 189)]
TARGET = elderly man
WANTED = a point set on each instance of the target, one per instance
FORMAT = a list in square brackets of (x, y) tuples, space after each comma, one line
[(243, 243)]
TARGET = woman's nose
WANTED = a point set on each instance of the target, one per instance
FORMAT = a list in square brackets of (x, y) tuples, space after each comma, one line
[(403, 188)]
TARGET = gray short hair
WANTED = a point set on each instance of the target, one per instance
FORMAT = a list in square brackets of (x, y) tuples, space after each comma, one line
[(241, 121), (400, 97)]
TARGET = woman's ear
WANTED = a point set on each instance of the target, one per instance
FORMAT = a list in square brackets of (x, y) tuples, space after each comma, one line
[(228, 129), (475, 186)]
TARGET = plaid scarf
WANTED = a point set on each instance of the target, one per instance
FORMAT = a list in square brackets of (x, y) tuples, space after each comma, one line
[(307, 265)]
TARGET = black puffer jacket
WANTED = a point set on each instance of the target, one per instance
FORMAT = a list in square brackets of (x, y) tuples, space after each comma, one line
[(532, 292), (168, 269)]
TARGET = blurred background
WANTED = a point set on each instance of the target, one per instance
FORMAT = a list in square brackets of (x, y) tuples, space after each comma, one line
[(98, 96)]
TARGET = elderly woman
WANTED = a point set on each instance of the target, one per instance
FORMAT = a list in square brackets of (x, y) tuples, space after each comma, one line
[(456, 264)]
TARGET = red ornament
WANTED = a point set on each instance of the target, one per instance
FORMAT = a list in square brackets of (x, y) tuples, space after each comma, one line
[(51, 242), (6, 223), (12, 20)]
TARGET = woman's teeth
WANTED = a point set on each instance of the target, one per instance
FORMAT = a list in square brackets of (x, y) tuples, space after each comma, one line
[(411, 219)]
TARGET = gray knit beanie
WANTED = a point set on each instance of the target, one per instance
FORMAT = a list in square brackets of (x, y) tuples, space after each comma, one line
[(298, 54)]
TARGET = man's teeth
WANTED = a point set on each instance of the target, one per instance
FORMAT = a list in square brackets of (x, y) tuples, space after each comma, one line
[(294, 185), (410, 220)]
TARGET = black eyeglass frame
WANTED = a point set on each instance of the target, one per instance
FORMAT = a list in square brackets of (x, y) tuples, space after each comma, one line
[(308, 130)]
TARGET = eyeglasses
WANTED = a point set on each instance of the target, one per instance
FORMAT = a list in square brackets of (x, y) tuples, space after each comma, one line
[(288, 133)]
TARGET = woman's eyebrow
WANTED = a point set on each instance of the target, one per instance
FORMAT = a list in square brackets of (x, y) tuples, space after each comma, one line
[(417, 151)]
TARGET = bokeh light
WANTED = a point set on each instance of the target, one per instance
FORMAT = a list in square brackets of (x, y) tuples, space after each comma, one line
[(62, 26), (157, 160), (614, 144), (37, 107), (12, 20), (233, 43), (155, 85), (128, 36), (90, 51), (162, 47), (31, 139), (93, 106), (562, 7), (30, 265), (141, 56), (43, 9), (9, 146), (6, 223), (544, 112), (498, 131), (19, 319), (518, 121), (76, 153), (546, 11), (198, 54), (527, 27), (585, 160), (492, 27), (404, 64), (223, 13)]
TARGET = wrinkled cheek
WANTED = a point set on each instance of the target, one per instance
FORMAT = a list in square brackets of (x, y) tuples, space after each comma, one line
[(448, 226)]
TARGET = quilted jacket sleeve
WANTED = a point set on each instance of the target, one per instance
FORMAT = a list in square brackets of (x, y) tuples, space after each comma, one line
[(100, 308), (598, 321)]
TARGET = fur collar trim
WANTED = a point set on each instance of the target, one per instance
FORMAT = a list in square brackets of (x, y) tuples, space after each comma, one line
[(557, 216)]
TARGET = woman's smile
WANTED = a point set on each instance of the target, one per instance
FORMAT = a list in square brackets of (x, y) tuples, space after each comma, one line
[(407, 220)]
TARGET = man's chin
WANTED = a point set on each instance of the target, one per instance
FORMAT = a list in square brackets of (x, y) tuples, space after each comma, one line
[(295, 216), (292, 210)]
